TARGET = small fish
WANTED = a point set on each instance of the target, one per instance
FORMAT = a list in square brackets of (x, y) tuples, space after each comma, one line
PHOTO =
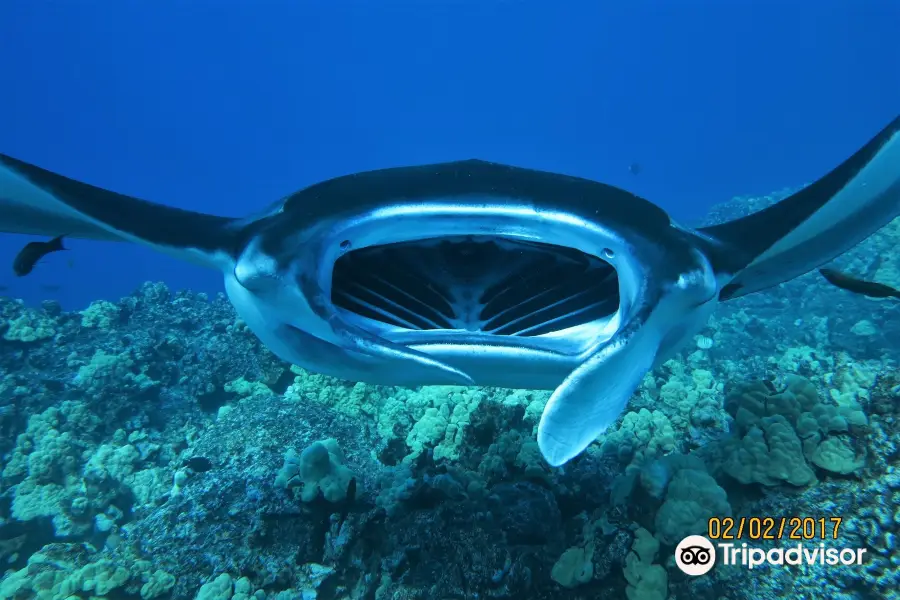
[(51, 287), (635, 168), (33, 252), (198, 464), (704, 343), (859, 286)]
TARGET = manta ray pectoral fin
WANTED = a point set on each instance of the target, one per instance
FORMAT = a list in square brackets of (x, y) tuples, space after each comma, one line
[(813, 226), (594, 395), (40, 202)]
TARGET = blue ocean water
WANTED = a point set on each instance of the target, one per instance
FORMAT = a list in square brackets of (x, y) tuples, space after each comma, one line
[(228, 108), (152, 447)]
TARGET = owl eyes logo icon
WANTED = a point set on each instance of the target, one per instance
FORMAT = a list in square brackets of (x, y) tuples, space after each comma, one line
[(695, 555)]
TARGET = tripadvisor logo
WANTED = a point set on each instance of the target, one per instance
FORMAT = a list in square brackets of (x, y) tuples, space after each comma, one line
[(696, 555)]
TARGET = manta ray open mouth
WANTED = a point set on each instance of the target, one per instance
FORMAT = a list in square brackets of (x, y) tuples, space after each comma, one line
[(482, 284)]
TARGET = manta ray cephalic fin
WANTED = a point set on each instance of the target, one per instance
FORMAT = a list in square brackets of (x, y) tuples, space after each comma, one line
[(596, 392), (359, 340), (594, 395)]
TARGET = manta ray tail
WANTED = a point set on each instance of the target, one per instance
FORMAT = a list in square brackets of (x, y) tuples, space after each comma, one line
[(813, 226), (40, 202)]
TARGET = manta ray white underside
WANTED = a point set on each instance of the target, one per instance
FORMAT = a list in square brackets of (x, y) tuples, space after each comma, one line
[(476, 273)]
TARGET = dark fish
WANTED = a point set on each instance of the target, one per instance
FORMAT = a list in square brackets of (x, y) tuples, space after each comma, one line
[(859, 286), (635, 168), (51, 287), (198, 464), (33, 252)]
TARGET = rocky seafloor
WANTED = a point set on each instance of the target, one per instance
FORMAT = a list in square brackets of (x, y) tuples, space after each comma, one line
[(153, 448)]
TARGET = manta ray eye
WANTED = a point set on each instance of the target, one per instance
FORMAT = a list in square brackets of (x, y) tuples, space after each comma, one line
[(345, 245), (608, 253)]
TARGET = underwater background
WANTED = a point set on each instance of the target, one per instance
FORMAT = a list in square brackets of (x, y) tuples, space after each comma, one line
[(152, 448)]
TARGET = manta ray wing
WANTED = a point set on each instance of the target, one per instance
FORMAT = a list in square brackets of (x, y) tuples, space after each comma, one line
[(816, 224), (37, 201)]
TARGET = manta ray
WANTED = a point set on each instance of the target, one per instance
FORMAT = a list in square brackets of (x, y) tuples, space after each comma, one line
[(478, 273)]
